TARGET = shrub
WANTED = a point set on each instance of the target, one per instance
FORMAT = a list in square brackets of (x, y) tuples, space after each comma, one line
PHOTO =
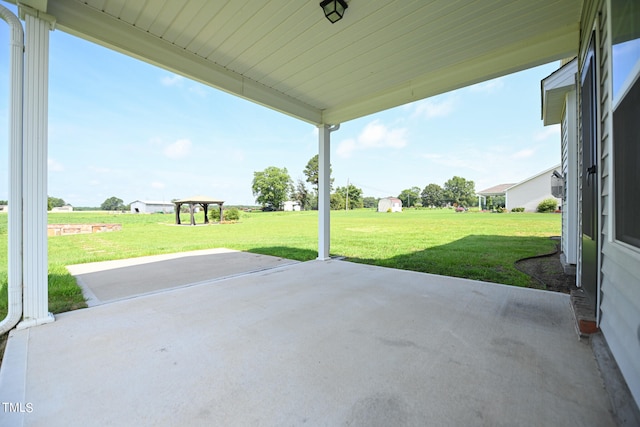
[(231, 214), (547, 205), (214, 214), (517, 210)]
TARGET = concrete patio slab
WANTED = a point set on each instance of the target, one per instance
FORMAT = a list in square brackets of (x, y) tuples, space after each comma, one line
[(113, 280), (316, 343)]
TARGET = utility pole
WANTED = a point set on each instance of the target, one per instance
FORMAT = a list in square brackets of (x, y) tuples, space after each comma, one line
[(346, 206)]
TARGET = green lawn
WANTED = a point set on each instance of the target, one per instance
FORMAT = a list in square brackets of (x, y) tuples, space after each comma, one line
[(481, 246)]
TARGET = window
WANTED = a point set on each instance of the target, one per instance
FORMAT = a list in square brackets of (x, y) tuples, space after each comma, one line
[(625, 25)]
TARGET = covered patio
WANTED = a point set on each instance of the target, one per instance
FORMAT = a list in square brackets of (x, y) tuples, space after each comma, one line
[(323, 342), (311, 343)]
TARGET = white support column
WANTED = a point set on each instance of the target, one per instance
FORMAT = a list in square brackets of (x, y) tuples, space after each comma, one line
[(35, 260), (324, 190)]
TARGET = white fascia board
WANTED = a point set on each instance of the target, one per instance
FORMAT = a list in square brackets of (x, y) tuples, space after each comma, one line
[(557, 45), (554, 89), (90, 24)]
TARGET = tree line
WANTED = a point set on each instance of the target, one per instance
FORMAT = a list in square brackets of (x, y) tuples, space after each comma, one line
[(457, 191), (273, 186)]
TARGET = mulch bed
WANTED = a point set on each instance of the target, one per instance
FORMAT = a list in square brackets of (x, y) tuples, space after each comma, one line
[(548, 273)]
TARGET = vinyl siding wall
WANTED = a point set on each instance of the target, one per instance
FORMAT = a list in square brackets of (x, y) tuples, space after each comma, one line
[(570, 172), (619, 303), (528, 194)]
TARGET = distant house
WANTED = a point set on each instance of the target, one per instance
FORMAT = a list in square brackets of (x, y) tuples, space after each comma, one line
[(4, 208), (390, 203), (529, 193), (291, 205), (145, 206), (499, 190), (65, 208)]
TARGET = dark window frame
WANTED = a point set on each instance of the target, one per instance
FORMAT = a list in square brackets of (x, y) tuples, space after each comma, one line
[(626, 127)]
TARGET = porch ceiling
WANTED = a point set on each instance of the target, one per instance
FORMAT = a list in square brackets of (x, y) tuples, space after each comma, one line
[(287, 56)]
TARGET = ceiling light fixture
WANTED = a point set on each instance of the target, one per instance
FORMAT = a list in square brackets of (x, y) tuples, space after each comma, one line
[(333, 9)]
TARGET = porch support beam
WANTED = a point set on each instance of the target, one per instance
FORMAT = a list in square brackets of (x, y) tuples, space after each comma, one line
[(324, 189), (35, 260)]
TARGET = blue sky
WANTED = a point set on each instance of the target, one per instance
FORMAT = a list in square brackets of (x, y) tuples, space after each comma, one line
[(120, 127)]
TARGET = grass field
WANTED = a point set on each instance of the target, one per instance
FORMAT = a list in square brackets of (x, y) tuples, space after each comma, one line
[(474, 245)]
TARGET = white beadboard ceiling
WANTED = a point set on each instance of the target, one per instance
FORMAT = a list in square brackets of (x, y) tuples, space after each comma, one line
[(285, 55)]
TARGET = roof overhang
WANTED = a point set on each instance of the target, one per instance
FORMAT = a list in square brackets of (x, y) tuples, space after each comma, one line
[(539, 174), (554, 89), (285, 55), (199, 200)]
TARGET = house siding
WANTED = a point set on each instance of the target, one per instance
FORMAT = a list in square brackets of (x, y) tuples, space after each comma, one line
[(619, 314), (529, 193)]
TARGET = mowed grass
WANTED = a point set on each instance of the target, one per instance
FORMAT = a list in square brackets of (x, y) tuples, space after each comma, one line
[(473, 245)]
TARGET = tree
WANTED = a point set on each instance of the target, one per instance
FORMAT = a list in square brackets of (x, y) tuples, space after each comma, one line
[(54, 202), (272, 186), (336, 202), (4, 203), (410, 196), (459, 190), (112, 204), (313, 174), (432, 195), (302, 195), (370, 202), (353, 194)]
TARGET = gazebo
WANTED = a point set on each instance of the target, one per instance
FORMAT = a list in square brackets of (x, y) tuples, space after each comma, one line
[(203, 201)]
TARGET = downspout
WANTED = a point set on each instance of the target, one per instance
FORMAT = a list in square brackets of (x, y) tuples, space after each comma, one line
[(14, 313)]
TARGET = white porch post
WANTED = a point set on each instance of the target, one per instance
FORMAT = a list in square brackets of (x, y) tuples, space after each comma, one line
[(36, 85), (324, 188)]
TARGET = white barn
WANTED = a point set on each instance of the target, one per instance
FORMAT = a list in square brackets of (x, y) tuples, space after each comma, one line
[(145, 206), (530, 192), (390, 203)]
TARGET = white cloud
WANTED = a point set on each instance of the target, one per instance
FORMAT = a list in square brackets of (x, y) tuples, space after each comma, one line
[(548, 132), (491, 86), (374, 135), (524, 153), (198, 90), (236, 155), (432, 108), (55, 166), (179, 149), (172, 80), (158, 185), (99, 169)]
